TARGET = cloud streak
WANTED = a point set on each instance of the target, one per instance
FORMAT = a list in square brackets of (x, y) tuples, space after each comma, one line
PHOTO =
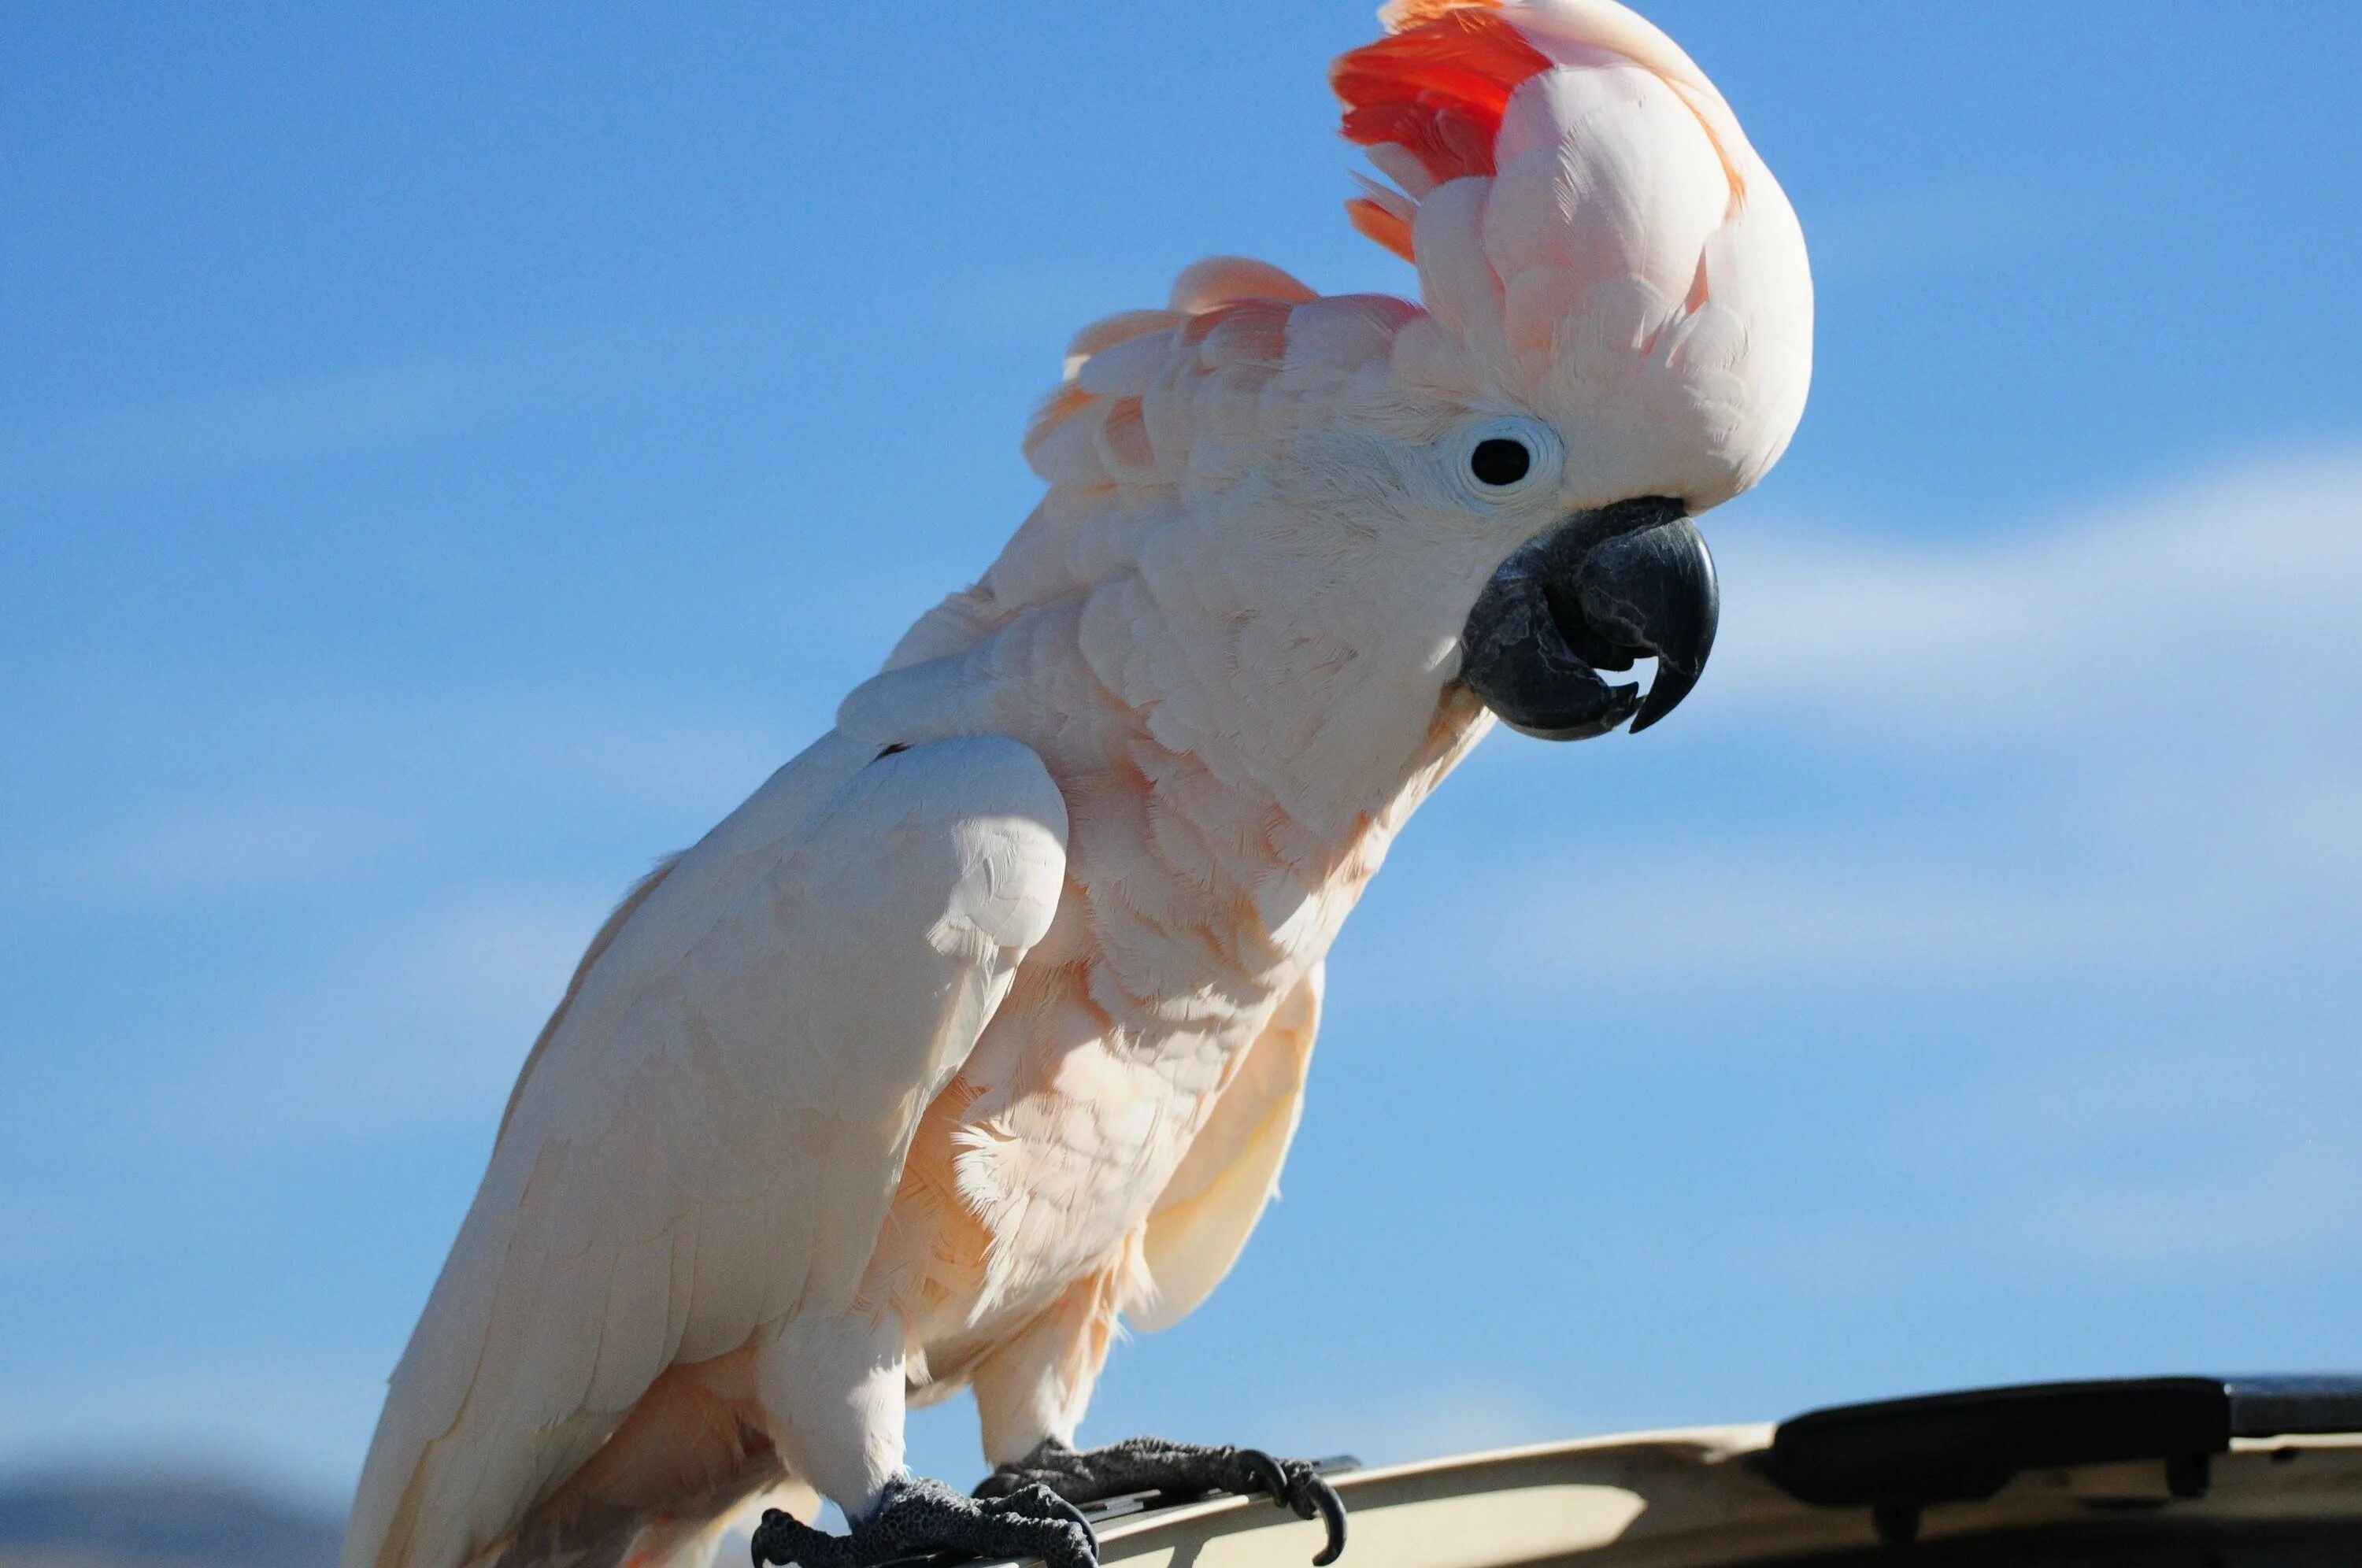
[(421, 1023), (368, 405), (2222, 608), (2086, 748)]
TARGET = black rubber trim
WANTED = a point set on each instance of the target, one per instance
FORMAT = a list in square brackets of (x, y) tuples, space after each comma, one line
[(2295, 1406), (1944, 1448)]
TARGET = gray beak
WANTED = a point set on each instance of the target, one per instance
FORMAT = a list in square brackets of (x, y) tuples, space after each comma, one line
[(1602, 588)]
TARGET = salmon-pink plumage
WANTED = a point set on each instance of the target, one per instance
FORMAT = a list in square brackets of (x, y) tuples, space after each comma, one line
[(986, 1019)]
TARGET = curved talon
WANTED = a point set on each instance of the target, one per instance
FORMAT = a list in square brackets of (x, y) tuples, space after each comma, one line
[(1293, 1486), (783, 1537), (1179, 1471), (1323, 1499), (1031, 1517), (1041, 1497), (918, 1518), (1270, 1476)]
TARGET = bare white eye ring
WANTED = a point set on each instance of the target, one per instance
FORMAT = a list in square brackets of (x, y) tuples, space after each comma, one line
[(1506, 458)]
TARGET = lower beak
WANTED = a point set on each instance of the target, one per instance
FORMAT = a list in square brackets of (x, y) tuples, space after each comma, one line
[(1599, 590)]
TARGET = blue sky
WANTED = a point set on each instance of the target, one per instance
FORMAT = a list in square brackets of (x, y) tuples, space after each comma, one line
[(446, 459)]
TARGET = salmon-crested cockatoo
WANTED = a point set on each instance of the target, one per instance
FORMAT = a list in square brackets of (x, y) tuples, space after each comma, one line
[(985, 1022)]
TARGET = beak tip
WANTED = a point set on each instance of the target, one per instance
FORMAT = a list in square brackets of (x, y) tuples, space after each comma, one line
[(1672, 685)]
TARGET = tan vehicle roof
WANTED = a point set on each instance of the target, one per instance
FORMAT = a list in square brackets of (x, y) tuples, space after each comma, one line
[(1673, 1499)]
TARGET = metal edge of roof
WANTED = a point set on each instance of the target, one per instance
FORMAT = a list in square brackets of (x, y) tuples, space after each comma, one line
[(1722, 1443), (1711, 1444), (1673, 1497)]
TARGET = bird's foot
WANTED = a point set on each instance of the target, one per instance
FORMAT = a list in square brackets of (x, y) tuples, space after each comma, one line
[(1178, 1470), (917, 1518)]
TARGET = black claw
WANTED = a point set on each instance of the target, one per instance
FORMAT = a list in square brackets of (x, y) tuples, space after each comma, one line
[(783, 1537), (1293, 1486), (1042, 1499), (1332, 1509), (1177, 1471), (918, 1518), (1268, 1474)]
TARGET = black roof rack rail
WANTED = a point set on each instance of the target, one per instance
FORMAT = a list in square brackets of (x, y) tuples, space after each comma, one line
[(1897, 1456)]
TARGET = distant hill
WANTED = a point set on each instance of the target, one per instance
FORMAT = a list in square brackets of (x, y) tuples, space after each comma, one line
[(119, 1521)]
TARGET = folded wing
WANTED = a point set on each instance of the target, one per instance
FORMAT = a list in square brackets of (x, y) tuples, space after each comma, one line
[(1205, 1212), (707, 1138)]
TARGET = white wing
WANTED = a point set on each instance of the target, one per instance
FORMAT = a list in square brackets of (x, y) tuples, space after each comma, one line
[(1207, 1210), (708, 1136)]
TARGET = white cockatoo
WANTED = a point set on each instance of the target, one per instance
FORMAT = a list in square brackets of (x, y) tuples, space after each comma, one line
[(985, 1022)]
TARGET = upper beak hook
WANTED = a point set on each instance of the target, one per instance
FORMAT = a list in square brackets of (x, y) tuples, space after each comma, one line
[(1653, 591)]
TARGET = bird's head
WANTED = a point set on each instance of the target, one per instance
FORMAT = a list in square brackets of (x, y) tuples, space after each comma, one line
[(1615, 336), (1317, 536)]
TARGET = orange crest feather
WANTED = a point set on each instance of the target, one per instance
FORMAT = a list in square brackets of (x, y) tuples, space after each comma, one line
[(1437, 86)]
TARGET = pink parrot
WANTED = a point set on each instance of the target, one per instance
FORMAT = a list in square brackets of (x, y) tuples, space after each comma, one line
[(985, 1020)]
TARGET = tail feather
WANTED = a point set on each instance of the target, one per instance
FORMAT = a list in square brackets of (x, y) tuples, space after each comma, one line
[(688, 1533)]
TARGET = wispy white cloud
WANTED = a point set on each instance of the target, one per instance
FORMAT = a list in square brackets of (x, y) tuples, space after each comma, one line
[(1899, 232), (2220, 610), (335, 411), (2234, 1145), (206, 849), (2114, 755), (409, 875), (273, 788), (2102, 743), (421, 1023), (320, 414), (2290, 1208)]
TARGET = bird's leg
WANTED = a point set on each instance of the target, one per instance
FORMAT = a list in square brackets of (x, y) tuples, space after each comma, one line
[(844, 1374), (1177, 1470), (916, 1517), (1031, 1390)]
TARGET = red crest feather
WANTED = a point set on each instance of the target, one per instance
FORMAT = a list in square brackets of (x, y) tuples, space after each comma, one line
[(1438, 87)]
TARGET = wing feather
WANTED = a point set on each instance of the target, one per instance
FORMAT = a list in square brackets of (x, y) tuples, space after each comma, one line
[(707, 1136), (1207, 1210)]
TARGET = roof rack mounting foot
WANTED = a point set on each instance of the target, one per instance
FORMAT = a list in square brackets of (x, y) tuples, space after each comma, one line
[(1897, 1523)]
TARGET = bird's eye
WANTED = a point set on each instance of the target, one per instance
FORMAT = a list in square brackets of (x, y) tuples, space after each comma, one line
[(1504, 461), (1498, 461)]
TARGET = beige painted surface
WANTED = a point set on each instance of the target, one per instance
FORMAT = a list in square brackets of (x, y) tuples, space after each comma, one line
[(1688, 1499)]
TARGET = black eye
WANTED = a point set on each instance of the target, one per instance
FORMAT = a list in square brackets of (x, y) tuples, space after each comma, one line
[(1500, 461)]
